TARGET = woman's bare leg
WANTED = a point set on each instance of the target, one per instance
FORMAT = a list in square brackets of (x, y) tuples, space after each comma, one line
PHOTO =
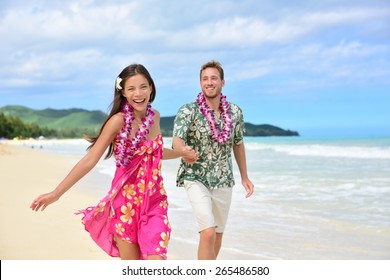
[(127, 251), (155, 257)]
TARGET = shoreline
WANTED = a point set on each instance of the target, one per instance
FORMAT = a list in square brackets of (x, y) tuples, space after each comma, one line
[(282, 221), (56, 233)]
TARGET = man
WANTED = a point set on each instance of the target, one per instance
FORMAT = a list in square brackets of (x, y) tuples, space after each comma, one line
[(213, 127)]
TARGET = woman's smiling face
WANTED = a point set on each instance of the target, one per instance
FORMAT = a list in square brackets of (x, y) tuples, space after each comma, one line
[(137, 91)]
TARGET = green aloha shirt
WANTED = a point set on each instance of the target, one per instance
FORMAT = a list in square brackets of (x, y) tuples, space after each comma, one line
[(214, 167)]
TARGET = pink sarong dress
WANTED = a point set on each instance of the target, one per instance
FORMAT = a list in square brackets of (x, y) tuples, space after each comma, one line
[(135, 209)]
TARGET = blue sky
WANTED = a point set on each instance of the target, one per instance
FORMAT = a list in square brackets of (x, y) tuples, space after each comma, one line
[(318, 67)]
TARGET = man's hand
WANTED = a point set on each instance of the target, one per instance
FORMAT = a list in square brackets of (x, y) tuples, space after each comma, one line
[(190, 156)]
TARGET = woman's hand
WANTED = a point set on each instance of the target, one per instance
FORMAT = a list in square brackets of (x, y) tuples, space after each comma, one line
[(189, 155), (44, 200)]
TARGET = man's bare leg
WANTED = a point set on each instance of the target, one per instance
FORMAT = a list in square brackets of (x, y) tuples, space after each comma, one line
[(206, 248), (218, 243)]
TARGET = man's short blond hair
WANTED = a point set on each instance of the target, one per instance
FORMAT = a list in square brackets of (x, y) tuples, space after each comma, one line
[(213, 64)]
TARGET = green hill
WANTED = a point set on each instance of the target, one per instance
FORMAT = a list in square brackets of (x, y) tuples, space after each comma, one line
[(166, 124), (78, 122), (267, 130), (57, 119)]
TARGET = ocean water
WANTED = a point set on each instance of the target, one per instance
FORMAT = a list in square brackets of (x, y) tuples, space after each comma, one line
[(314, 198)]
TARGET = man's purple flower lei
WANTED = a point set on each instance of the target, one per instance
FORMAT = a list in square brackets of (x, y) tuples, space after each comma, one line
[(124, 146), (216, 134)]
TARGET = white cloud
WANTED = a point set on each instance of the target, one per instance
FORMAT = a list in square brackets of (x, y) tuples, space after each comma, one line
[(108, 25), (251, 32), (61, 41)]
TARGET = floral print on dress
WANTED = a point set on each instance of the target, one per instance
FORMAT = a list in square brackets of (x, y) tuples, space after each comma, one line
[(129, 191), (128, 213), (136, 207)]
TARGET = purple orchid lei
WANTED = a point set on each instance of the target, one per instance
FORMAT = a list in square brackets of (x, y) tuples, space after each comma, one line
[(216, 134), (124, 147)]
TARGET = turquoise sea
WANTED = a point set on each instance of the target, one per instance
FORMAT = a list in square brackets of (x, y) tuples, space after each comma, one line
[(315, 198)]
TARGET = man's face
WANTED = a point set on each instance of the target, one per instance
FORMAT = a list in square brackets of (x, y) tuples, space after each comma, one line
[(211, 83)]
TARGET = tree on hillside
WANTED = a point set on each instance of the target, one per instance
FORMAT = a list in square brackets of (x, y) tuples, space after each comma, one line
[(11, 127)]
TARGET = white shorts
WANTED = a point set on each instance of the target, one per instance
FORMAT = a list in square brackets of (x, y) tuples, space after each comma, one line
[(210, 206)]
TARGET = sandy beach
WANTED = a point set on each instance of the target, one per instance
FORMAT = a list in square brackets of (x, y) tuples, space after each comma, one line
[(52, 234), (56, 233), (293, 215)]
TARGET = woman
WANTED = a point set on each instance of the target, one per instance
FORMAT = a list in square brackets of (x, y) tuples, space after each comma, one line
[(131, 220)]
